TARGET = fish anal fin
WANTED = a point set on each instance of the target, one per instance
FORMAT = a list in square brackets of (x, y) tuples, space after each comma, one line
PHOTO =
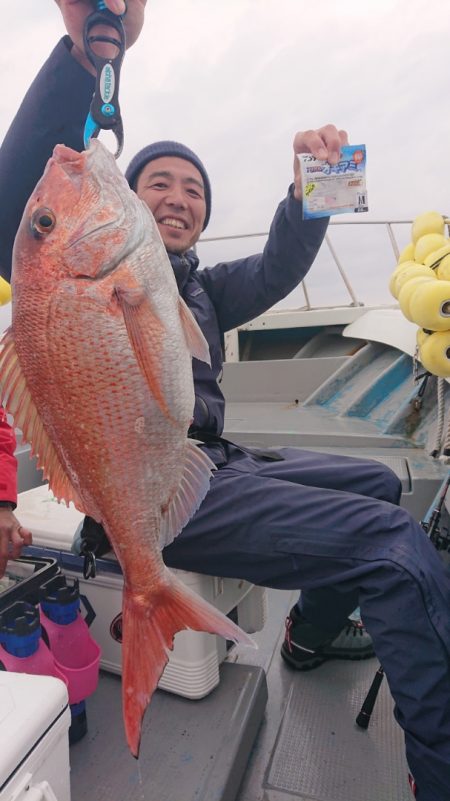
[(16, 398), (141, 320), (194, 485), (149, 626), (195, 339)]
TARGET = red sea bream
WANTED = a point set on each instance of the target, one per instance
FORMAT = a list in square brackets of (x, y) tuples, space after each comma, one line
[(96, 370)]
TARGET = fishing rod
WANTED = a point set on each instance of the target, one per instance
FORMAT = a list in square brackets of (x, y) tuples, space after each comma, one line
[(441, 541), (431, 525)]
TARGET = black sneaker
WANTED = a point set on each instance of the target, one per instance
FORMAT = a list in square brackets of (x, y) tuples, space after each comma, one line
[(306, 647)]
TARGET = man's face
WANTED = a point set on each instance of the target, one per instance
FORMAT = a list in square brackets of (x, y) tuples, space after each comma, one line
[(173, 190)]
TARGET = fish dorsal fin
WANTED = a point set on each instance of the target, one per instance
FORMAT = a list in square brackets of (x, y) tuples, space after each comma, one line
[(193, 487), (16, 398), (141, 320), (195, 339)]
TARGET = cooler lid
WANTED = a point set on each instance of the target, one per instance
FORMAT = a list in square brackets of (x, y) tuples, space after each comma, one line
[(53, 524), (29, 705)]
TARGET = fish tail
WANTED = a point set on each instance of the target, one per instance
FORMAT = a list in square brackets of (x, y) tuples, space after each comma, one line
[(149, 626)]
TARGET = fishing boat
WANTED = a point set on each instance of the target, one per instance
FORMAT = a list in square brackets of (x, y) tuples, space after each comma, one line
[(335, 378)]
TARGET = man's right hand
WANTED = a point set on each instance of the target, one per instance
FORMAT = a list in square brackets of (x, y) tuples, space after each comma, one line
[(74, 13)]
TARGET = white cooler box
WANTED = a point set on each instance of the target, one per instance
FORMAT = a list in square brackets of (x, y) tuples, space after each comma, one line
[(193, 667), (34, 740)]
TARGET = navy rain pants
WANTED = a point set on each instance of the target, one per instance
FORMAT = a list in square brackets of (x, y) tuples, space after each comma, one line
[(330, 526)]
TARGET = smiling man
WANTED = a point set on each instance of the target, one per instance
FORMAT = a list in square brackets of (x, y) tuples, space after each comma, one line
[(173, 182)]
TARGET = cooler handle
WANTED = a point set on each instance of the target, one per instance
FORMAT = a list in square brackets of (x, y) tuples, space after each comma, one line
[(90, 612)]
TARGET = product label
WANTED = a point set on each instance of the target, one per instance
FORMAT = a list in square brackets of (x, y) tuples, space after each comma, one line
[(334, 188)]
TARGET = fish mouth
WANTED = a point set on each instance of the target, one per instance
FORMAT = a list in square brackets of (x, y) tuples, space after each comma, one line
[(65, 156)]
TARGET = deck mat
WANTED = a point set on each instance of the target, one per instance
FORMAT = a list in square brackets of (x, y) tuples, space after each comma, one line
[(320, 754)]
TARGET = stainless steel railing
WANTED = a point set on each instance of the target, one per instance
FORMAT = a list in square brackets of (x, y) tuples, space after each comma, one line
[(390, 234)]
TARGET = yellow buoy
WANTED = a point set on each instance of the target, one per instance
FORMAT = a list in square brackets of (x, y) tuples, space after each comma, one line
[(429, 305), (428, 244), (396, 273), (5, 292), (407, 253), (430, 222), (409, 289), (434, 353), (443, 271), (411, 271), (433, 259), (421, 336)]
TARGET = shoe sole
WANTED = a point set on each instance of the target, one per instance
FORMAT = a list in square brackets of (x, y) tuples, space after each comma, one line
[(317, 660)]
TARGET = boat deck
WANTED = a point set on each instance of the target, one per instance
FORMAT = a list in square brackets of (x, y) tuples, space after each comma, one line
[(308, 747)]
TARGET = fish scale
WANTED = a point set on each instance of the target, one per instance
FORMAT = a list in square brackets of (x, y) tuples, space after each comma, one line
[(96, 370)]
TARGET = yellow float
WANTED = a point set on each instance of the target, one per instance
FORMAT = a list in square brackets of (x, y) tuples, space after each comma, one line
[(410, 270), (421, 337), (429, 305), (400, 267), (5, 292), (409, 290), (421, 284), (427, 244), (434, 353), (430, 222), (434, 259), (443, 270), (407, 253)]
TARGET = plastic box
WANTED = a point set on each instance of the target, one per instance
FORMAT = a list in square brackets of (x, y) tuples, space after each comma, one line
[(34, 743), (193, 667)]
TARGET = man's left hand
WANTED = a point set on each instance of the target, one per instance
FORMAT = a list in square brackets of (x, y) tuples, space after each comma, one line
[(324, 143)]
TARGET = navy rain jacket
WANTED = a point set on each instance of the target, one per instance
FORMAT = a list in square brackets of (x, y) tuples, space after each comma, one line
[(221, 297)]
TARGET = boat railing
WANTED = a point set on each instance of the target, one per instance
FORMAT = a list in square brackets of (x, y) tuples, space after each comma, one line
[(390, 234)]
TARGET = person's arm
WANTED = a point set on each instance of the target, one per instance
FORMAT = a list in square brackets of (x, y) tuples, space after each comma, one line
[(242, 289), (12, 535), (245, 288), (53, 112)]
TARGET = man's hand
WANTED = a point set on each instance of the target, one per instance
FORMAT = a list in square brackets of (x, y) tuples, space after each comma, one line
[(324, 143), (74, 13), (12, 537)]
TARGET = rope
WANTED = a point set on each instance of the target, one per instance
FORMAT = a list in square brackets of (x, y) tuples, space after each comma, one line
[(440, 420), (447, 438)]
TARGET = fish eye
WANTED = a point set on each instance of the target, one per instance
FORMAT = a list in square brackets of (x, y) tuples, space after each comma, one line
[(42, 222)]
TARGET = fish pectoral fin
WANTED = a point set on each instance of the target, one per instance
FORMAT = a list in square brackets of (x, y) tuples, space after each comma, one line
[(16, 398), (195, 339), (193, 487), (146, 333)]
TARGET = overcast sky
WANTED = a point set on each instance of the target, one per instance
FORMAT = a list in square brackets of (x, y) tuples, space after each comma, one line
[(235, 79)]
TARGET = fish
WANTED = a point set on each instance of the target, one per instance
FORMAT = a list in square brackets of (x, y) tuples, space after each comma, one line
[(96, 370)]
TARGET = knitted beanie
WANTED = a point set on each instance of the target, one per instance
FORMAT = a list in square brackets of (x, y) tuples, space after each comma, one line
[(167, 148)]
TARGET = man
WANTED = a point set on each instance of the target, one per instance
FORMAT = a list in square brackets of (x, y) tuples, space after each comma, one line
[(326, 524)]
